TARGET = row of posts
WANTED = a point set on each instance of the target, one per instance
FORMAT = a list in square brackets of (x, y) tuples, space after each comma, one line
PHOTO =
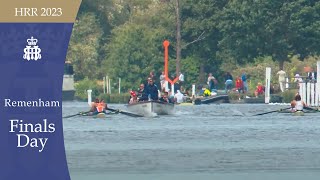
[(107, 85), (309, 91)]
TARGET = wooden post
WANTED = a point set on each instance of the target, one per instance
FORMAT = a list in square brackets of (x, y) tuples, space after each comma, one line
[(104, 85), (267, 89), (301, 89), (89, 97), (317, 99), (308, 93), (312, 94), (193, 90), (107, 84), (119, 85), (172, 89), (304, 92)]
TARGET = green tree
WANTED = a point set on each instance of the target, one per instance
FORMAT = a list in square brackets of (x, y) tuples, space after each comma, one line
[(253, 28), (83, 47), (135, 48), (201, 35)]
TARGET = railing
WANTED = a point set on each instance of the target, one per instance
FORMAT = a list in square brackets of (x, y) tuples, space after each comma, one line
[(309, 92)]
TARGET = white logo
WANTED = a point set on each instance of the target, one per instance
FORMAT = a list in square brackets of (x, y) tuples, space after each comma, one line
[(32, 52)]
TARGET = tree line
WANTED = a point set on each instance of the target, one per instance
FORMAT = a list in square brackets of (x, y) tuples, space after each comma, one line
[(123, 38)]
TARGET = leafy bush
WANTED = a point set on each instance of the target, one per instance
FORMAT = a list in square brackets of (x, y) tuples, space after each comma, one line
[(233, 95), (84, 85), (115, 98), (288, 95), (256, 71)]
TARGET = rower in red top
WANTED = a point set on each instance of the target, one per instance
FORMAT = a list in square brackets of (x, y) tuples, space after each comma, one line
[(98, 106)]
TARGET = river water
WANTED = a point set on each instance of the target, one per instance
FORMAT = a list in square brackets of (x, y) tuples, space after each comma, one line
[(224, 142)]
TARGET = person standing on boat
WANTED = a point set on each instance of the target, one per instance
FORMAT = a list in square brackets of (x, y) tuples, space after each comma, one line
[(297, 104), (210, 82), (152, 90), (163, 81), (181, 79)]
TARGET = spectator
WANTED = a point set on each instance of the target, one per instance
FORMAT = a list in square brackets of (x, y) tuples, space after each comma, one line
[(239, 84), (178, 97), (181, 78), (282, 79), (211, 82), (259, 90), (163, 81), (228, 81), (244, 81)]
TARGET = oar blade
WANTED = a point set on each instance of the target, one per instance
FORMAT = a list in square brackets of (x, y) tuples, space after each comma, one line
[(125, 112), (271, 112), (73, 115), (310, 109)]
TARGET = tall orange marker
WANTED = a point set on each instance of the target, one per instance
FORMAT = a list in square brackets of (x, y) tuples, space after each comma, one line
[(166, 52)]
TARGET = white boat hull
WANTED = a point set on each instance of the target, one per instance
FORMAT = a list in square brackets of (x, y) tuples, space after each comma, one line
[(150, 108)]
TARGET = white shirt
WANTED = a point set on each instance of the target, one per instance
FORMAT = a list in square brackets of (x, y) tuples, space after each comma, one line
[(179, 97), (181, 77), (298, 78), (299, 106), (162, 78), (282, 76)]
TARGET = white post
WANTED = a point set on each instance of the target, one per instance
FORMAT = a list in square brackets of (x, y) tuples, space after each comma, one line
[(304, 92), (104, 85), (318, 85), (172, 89), (312, 94), (301, 90), (89, 97), (287, 83), (308, 93), (193, 90), (119, 85), (166, 86), (107, 84), (267, 89)]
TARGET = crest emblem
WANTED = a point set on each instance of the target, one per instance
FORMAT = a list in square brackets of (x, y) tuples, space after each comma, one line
[(32, 51)]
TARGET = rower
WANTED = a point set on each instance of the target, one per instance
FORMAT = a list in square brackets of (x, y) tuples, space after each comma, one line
[(297, 104), (94, 105), (98, 106)]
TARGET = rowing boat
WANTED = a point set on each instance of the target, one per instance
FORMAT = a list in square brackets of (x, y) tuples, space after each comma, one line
[(151, 108), (99, 115), (296, 113)]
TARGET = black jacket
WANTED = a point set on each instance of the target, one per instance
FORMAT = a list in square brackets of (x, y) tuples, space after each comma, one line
[(152, 90)]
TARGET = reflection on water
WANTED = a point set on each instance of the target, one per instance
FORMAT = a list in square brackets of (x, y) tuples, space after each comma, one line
[(199, 142)]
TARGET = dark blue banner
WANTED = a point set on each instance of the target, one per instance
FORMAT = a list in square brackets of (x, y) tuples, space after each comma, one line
[(32, 57)]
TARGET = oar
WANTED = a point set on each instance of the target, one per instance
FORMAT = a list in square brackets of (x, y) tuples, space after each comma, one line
[(124, 112), (310, 109), (271, 111), (79, 113)]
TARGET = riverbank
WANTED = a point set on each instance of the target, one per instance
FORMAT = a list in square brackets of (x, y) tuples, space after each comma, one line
[(222, 142)]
